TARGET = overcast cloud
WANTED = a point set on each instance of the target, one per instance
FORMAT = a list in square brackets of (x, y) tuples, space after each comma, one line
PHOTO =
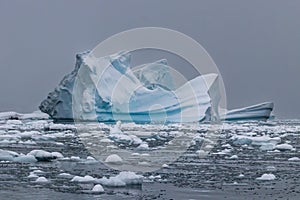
[(256, 44)]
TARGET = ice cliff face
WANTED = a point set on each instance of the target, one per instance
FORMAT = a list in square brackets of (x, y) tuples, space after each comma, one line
[(107, 89), (59, 102)]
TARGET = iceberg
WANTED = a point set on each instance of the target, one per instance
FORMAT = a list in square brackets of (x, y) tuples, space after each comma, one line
[(260, 111), (106, 89)]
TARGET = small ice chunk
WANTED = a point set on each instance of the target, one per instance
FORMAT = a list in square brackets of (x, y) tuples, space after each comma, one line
[(6, 155), (267, 147), (112, 182), (42, 155), (284, 147), (122, 179), (41, 180), (75, 158), (25, 159), (294, 159), (226, 146), (143, 146), (84, 179), (113, 159), (90, 158), (38, 171), (65, 175), (267, 177), (165, 166), (143, 163), (233, 157), (241, 176), (116, 129), (106, 140), (98, 188)]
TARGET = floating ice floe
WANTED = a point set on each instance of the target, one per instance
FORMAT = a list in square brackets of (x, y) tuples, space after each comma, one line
[(143, 146), (234, 157), (33, 156), (65, 175), (241, 175), (294, 159), (165, 166), (16, 116), (117, 135), (266, 142), (98, 188), (107, 89), (267, 177), (122, 179), (6, 155), (284, 147), (41, 180), (25, 159), (114, 159), (84, 179), (42, 155)]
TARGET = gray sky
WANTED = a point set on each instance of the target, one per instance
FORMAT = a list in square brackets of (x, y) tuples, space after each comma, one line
[(256, 44)]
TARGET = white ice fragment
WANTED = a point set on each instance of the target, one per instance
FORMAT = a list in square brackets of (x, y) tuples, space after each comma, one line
[(267, 177), (41, 180), (143, 146), (284, 147), (122, 179), (135, 154), (294, 159), (165, 166), (233, 157), (90, 158), (267, 147), (25, 159), (6, 155), (241, 175), (98, 188), (84, 179), (106, 140), (113, 159), (76, 158), (65, 175), (42, 155), (226, 146), (143, 163)]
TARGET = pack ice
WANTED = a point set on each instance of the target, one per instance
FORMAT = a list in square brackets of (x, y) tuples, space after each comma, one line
[(107, 89)]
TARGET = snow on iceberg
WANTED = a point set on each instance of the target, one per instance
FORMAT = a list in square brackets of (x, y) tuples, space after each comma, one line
[(107, 89)]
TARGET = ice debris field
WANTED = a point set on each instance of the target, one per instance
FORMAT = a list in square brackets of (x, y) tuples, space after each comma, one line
[(258, 159)]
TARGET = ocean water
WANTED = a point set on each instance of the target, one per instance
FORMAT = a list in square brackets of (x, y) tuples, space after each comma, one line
[(241, 153)]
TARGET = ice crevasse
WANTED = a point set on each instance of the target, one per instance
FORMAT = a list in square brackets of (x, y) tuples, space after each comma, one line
[(107, 89)]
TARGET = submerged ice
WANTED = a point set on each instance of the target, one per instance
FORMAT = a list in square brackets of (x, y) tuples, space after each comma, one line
[(107, 89)]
